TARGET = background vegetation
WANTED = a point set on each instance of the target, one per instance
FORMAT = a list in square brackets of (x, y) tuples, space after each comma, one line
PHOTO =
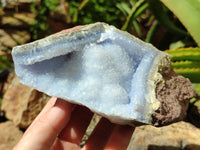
[(167, 24)]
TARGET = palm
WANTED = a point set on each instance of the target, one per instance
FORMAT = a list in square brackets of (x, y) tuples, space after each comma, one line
[(71, 122)]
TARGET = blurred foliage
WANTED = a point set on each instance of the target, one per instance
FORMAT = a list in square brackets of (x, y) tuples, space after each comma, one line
[(149, 20), (90, 11), (137, 9), (196, 101), (5, 64), (120, 13), (160, 12), (167, 24), (153, 22), (188, 12), (186, 61), (41, 10), (197, 87), (1, 11)]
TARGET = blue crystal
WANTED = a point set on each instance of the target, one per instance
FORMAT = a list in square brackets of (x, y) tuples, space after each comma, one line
[(105, 69)]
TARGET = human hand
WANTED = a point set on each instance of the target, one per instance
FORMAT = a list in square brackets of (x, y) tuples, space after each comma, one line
[(61, 126)]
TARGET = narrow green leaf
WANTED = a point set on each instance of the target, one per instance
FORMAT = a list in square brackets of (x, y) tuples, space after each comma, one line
[(186, 64), (186, 61), (185, 54), (137, 28), (151, 32), (132, 15), (141, 9), (197, 88), (188, 12), (184, 51), (124, 8), (186, 57), (192, 74), (157, 9), (81, 6)]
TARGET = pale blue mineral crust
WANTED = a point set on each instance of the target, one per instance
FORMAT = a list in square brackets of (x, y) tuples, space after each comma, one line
[(107, 70)]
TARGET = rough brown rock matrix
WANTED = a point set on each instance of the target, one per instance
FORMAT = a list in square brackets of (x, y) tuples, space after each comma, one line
[(174, 94)]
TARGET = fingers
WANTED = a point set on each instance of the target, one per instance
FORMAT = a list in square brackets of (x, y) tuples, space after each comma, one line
[(100, 135), (47, 125), (120, 138), (63, 145), (75, 130), (49, 104), (57, 117)]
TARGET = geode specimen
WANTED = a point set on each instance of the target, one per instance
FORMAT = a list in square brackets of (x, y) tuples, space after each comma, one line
[(107, 70)]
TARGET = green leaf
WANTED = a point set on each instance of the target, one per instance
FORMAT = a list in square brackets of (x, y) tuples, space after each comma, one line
[(51, 4), (5, 63), (197, 87), (124, 8), (160, 13), (136, 10), (43, 26), (188, 12), (193, 74), (186, 64), (177, 44), (151, 32), (188, 56), (185, 54), (141, 9), (137, 28), (81, 6)]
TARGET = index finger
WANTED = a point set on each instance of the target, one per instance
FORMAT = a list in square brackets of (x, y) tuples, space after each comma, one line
[(44, 130)]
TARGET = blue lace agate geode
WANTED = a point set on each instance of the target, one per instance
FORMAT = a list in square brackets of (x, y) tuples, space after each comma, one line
[(107, 70)]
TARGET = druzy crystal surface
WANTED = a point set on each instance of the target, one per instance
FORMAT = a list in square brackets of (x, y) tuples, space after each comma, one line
[(107, 70)]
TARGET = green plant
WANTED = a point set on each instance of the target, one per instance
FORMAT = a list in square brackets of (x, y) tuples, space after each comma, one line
[(197, 87), (196, 101), (151, 20), (1, 9), (5, 63), (90, 11), (188, 12), (186, 61), (40, 28), (161, 14), (122, 14), (137, 9)]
